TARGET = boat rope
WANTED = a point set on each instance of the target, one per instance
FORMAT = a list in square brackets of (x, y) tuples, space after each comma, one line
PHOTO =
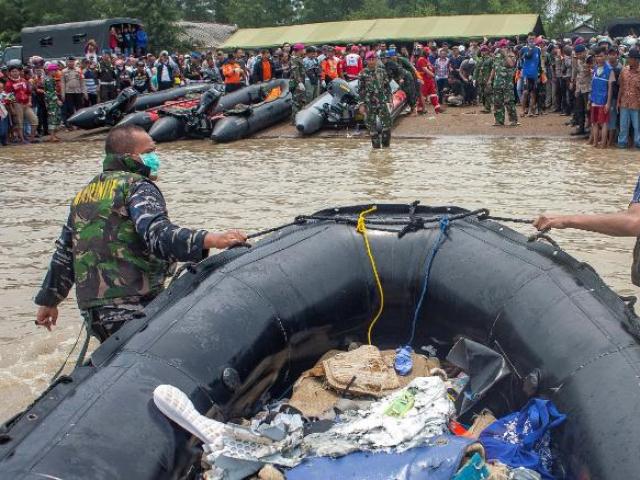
[(361, 228), (444, 226), (80, 357)]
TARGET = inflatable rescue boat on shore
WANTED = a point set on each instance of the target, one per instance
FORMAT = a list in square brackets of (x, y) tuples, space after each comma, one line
[(338, 108), (110, 113), (241, 326), (230, 117)]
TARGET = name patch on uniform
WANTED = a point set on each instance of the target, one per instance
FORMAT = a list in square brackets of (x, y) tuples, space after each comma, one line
[(97, 191)]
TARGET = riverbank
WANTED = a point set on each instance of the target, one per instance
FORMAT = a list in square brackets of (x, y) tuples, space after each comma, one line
[(455, 122)]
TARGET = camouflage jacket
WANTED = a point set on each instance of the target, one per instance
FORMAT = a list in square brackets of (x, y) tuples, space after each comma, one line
[(297, 72), (397, 72), (373, 86), (484, 67), (504, 74), (118, 243), (406, 64)]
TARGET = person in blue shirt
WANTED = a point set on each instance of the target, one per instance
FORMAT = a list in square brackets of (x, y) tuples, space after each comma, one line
[(141, 40), (530, 56)]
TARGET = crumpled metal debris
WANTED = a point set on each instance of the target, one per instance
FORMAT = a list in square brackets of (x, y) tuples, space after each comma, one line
[(373, 429)]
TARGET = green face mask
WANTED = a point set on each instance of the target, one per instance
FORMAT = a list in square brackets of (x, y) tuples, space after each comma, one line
[(152, 161)]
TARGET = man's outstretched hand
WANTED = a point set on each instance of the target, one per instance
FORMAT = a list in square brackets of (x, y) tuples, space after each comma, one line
[(546, 222), (47, 317), (223, 240)]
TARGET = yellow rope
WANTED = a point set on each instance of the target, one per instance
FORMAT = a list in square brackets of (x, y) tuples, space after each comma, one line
[(362, 229)]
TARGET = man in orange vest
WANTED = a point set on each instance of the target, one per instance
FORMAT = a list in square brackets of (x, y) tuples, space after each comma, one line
[(233, 74), (330, 68), (263, 69)]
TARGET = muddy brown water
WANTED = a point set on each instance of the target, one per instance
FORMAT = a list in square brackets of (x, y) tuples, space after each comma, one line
[(259, 184)]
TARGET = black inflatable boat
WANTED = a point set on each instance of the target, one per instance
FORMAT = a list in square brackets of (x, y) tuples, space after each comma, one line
[(110, 113), (248, 321), (244, 122), (236, 115)]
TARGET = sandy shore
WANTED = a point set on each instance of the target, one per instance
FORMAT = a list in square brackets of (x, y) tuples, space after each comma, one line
[(462, 121)]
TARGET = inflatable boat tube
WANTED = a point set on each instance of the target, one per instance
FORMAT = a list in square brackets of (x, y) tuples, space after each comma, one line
[(110, 113), (244, 324), (147, 118), (256, 117), (167, 129)]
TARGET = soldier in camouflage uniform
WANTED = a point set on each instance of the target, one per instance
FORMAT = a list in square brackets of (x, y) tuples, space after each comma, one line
[(118, 244), (296, 82), (484, 67), (502, 75), (408, 79), (374, 90), (405, 81)]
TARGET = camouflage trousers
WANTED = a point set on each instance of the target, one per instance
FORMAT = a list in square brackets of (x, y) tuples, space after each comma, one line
[(299, 101), (409, 88), (504, 97), (102, 322), (375, 111), (485, 97)]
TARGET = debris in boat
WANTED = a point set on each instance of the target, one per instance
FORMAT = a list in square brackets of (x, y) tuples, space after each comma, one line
[(474, 469), (269, 472), (480, 423), (352, 414), (522, 439), (373, 429), (522, 473), (484, 366), (318, 390), (403, 363), (439, 458)]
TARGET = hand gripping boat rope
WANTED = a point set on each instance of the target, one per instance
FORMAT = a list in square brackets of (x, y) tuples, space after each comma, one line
[(362, 229)]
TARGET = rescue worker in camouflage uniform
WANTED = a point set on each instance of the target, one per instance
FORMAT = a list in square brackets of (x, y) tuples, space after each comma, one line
[(410, 84), (502, 75), (118, 244), (296, 82), (484, 67), (375, 93)]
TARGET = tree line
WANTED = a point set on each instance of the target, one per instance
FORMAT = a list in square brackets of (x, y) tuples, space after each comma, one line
[(159, 16)]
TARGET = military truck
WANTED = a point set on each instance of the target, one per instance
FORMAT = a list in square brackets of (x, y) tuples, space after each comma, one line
[(65, 39)]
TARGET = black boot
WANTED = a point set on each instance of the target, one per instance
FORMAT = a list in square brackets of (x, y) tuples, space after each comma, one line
[(386, 138), (375, 140)]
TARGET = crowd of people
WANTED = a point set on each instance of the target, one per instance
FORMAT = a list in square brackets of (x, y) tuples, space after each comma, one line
[(595, 82)]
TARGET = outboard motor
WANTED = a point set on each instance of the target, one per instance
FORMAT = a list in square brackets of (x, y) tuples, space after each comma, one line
[(209, 99), (344, 102), (198, 122), (122, 105), (342, 92)]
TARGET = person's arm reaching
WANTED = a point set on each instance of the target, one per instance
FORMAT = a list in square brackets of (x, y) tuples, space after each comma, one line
[(58, 281), (166, 240), (621, 224)]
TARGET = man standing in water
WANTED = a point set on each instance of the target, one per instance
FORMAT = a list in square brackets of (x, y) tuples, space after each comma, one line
[(501, 79), (375, 92), (296, 81), (118, 244)]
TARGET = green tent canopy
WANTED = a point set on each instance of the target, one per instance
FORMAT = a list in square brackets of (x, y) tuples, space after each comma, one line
[(389, 29)]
